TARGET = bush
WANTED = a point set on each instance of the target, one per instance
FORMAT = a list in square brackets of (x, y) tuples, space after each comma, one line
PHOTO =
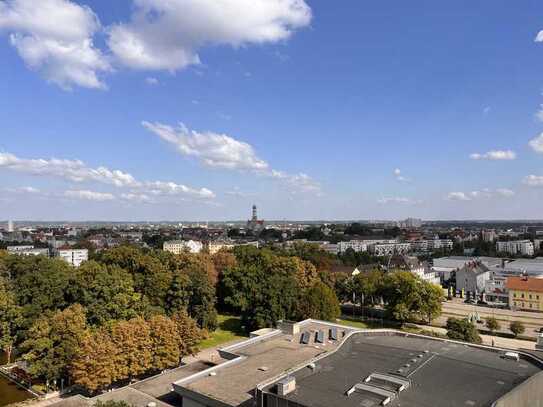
[(492, 324), (463, 330), (517, 328)]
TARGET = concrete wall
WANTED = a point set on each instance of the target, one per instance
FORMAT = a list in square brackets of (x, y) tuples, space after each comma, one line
[(527, 394)]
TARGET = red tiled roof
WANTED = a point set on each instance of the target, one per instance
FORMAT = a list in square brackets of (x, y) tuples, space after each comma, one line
[(525, 284)]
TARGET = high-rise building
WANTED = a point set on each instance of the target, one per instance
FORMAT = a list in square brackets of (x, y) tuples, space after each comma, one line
[(10, 226)]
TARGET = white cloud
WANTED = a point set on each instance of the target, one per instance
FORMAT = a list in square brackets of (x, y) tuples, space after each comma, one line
[(214, 150), (77, 171), (55, 38), (166, 34), (222, 151), (89, 195), (133, 197), (151, 81), (480, 194), (487, 110), (398, 200), (539, 37), (494, 155), (458, 196), (539, 113), (505, 192), (533, 180), (399, 176), (24, 190), (73, 170), (537, 144)]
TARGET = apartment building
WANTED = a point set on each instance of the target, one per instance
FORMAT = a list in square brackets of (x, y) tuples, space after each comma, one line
[(521, 247), (27, 250), (182, 246), (387, 249), (215, 247), (73, 256), (525, 293)]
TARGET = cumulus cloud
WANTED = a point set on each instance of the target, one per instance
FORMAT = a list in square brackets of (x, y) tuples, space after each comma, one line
[(55, 38), (483, 193), (458, 196), (537, 144), (136, 197), (398, 200), (166, 35), (24, 190), (214, 150), (78, 171), (222, 151), (533, 180), (89, 195), (494, 155), (151, 81), (539, 37), (399, 176)]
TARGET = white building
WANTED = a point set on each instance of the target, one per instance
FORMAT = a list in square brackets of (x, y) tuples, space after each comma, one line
[(437, 244), (10, 226), (215, 247), (522, 247), (387, 249), (73, 256), (27, 250), (356, 245), (182, 246), (489, 235)]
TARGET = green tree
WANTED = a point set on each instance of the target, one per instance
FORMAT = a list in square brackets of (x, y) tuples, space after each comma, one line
[(463, 330), (368, 286), (11, 319), (517, 328), (431, 301), (53, 341), (492, 324), (319, 302)]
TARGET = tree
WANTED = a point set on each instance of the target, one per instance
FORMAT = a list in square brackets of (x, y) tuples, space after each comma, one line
[(492, 324), (107, 292), (179, 293), (319, 302), (189, 333), (53, 341), (133, 339), (368, 286), (165, 342), (431, 300), (517, 328), (463, 330), (11, 319), (94, 365)]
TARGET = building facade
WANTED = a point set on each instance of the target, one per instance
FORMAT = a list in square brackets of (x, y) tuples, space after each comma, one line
[(522, 247), (182, 246), (525, 293), (73, 256)]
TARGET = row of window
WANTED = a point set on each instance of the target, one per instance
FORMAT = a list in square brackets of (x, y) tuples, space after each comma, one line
[(529, 296), (520, 304)]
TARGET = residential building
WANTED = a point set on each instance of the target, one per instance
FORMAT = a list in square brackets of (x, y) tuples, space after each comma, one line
[(489, 235), (516, 247), (10, 226), (415, 266), (215, 247), (27, 250), (356, 245), (182, 246), (472, 277), (72, 256), (538, 244), (525, 293), (440, 244), (387, 249)]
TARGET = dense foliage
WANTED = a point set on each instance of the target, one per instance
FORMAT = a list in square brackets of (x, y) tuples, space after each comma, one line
[(462, 330)]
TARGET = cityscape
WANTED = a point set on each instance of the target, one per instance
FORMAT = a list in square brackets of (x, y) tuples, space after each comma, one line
[(271, 203)]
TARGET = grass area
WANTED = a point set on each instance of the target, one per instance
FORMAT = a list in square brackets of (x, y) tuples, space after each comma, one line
[(353, 323), (229, 329)]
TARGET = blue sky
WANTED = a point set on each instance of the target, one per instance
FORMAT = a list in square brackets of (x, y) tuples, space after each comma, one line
[(193, 110)]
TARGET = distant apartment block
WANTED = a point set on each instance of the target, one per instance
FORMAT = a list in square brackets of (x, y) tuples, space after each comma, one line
[(182, 246), (73, 256), (356, 245), (387, 249), (215, 247), (27, 250), (489, 235), (515, 247)]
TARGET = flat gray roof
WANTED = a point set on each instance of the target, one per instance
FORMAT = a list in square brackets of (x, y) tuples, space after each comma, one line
[(446, 374)]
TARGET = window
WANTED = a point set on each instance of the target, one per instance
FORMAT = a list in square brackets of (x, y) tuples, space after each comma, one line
[(515, 295), (522, 295), (530, 296)]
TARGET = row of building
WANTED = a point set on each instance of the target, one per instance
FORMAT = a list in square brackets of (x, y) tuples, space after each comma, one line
[(195, 246), (71, 256)]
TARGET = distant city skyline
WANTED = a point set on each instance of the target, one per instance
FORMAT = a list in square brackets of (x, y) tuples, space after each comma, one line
[(134, 111)]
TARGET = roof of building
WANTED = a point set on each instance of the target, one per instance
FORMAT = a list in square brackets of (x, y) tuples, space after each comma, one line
[(257, 360), (525, 284), (439, 373)]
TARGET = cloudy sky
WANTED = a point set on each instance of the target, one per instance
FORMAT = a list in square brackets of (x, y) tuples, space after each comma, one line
[(312, 109)]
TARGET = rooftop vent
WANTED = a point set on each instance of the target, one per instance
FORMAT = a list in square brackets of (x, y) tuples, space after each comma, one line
[(304, 339), (263, 368), (319, 337), (332, 334)]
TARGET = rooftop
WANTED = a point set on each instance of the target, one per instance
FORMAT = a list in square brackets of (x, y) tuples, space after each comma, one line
[(525, 284), (439, 373)]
